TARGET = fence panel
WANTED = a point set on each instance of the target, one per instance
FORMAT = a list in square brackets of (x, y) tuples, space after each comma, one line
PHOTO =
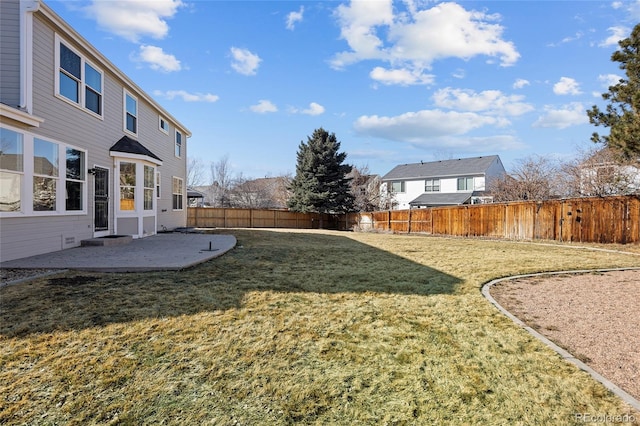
[(421, 220)]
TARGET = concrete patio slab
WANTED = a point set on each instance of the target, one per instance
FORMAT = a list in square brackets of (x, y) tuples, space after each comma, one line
[(165, 251)]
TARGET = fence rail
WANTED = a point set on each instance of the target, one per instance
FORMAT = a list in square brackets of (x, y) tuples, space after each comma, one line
[(599, 220)]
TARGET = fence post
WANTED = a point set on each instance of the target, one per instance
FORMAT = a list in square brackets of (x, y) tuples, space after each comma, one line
[(409, 224)]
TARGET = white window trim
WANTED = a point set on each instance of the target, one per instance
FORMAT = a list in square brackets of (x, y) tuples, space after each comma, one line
[(147, 188), (81, 96), (160, 120), (175, 144), (403, 186), (433, 180), (183, 193), (473, 183), (26, 192), (158, 187), (125, 92)]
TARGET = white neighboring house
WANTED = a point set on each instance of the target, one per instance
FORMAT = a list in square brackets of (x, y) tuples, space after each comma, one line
[(84, 152), (605, 174), (442, 183)]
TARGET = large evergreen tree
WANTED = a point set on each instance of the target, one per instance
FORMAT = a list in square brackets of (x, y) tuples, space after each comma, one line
[(622, 115), (320, 184)]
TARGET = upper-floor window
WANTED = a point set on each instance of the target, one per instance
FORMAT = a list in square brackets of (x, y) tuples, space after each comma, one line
[(397, 186), (77, 80), (130, 113), (432, 185), (163, 125), (178, 144), (465, 184)]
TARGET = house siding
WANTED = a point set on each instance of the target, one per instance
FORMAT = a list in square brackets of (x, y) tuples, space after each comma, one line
[(10, 52), (71, 125)]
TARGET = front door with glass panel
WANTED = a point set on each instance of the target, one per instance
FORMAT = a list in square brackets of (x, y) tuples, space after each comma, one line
[(101, 200)]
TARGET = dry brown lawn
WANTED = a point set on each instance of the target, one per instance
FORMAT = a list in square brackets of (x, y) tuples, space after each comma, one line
[(295, 327)]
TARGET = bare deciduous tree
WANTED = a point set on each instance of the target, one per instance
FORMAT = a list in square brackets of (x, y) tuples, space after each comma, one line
[(195, 172), (532, 178), (222, 181), (365, 188)]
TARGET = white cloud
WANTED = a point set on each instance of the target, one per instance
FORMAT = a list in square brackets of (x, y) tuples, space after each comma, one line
[(314, 109), (569, 115), (294, 17), (133, 19), (632, 8), (608, 80), (186, 96), (492, 101), (566, 86), (358, 23), (157, 59), (421, 126), (459, 73), (416, 38), (263, 106), (402, 77), (617, 33), (520, 83), (437, 130), (244, 61)]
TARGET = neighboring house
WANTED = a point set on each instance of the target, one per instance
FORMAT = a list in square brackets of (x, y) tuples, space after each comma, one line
[(194, 198), (605, 173), (84, 152), (442, 183)]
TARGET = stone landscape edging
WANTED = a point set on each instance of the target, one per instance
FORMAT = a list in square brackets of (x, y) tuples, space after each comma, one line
[(562, 352)]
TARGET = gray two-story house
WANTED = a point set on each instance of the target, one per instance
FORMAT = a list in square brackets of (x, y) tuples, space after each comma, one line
[(84, 152), (442, 183)]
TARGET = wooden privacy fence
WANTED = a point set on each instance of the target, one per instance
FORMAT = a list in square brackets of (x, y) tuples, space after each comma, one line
[(213, 217), (599, 220)]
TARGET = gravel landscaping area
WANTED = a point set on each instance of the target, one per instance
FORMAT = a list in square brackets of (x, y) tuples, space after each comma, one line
[(593, 316)]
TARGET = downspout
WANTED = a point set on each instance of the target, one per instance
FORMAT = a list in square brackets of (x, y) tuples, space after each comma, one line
[(27, 8)]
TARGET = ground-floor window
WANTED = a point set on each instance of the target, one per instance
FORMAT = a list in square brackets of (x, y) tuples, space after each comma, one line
[(137, 185), (31, 177), (178, 194), (148, 187), (127, 186), (11, 170)]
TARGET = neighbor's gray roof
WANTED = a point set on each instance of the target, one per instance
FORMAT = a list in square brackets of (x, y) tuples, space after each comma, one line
[(444, 168), (432, 199)]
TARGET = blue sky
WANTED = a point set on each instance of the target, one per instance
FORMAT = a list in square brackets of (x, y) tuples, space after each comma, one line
[(396, 81)]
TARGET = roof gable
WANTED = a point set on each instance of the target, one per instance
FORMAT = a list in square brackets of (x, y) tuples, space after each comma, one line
[(443, 168), (127, 145)]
